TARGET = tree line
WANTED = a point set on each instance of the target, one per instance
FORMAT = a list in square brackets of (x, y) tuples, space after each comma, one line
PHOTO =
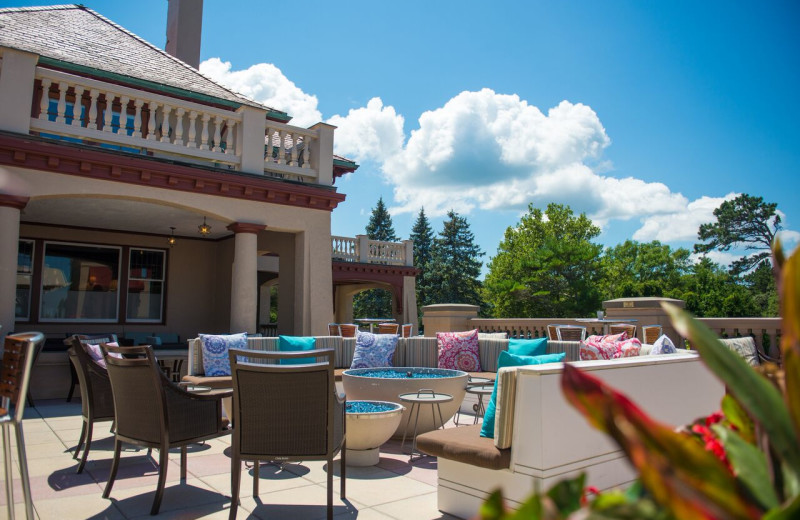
[(548, 265)]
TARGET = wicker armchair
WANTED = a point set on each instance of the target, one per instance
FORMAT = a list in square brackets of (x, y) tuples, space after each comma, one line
[(627, 328), (153, 411), (552, 332), (334, 330), (97, 402), (348, 330), (570, 333), (650, 333), (406, 330), (388, 328), (15, 374), (302, 417)]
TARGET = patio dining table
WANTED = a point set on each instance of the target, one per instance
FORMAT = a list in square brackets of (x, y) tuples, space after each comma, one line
[(606, 322)]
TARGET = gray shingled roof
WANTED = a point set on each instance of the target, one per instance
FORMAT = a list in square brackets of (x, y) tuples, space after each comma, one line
[(76, 35)]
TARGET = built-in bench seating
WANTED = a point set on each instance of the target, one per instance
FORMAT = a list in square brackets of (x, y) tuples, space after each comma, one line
[(540, 439)]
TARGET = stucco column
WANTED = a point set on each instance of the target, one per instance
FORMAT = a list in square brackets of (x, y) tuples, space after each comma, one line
[(10, 207), (244, 278)]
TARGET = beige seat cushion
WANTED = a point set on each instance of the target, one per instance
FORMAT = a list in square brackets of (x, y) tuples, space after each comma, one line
[(464, 444)]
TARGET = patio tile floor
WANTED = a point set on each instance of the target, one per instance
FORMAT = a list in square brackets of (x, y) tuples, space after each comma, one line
[(393, 489)]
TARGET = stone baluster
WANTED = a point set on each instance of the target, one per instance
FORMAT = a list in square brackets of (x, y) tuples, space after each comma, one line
[(165, 123), (137, 117), (123, 115), (217, 133), (269, 146), (108, 112), (293, 151), (230, 141), (179, 112), (63, 86), (94, 96), (151, 124), (306, 152), (282, 147), (77, 107), (192, 141), (44, 104), (204, 132)]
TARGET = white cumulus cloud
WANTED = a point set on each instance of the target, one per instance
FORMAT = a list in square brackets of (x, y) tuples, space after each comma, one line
[(680, 224), (374, 132), (266, 84)]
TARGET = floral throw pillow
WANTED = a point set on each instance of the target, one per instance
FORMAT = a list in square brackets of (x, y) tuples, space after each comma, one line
[(215, 352), (459, 350), (594, 348), (96, 353), (374, 350), (663, 345)]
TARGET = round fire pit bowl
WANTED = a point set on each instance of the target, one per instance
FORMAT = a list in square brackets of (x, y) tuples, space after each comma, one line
[(369, 424), (386, 384)]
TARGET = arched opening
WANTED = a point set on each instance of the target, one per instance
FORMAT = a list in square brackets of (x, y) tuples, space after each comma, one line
[(373, 303)]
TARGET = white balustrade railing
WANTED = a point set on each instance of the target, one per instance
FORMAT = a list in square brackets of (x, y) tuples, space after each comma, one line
[(362, 249), (344, 248), (75, 106), (287, 151)]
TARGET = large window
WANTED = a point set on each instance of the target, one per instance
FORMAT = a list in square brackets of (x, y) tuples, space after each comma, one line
[(146, 285), (24, 277), (79, 283)]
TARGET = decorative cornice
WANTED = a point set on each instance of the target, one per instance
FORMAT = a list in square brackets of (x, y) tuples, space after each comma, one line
[(246, 227), (85, 161), (351, 270), (13, 201)]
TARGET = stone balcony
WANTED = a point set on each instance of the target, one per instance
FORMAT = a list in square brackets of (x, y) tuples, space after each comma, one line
[(363, 250)]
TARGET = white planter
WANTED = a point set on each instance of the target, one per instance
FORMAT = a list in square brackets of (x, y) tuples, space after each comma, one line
[(359, 386), (367, 431)]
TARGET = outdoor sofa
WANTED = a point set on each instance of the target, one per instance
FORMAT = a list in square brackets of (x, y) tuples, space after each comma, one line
[(540, 439)]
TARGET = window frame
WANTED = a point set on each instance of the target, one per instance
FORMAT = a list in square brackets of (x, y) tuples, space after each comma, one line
[(163, 281), (29, 274)]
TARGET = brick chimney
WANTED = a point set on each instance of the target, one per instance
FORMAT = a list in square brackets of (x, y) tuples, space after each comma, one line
[(184, 27)]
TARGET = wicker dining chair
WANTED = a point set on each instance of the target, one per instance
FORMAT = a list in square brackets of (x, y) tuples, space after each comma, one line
[(154, 412), (388, 328), (15, 375), (334, 329), (349, 330), (406, 330), (627, 328), (552, 332), (570, 333), (97, 402), (302, 416), (650, 333)]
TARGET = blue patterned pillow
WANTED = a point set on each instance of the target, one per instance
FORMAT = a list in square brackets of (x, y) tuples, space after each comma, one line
[(374, 350), (215, 352)]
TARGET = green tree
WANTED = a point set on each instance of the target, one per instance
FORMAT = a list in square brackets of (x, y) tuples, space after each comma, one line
[(422, 237), (710, 291), (452, 274), (376, 303), (633, 269), (761, 284), (745, 221), (546, 266)]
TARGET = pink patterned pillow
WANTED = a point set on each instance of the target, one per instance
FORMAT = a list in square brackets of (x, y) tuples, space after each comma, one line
[(597, 350), (459, 350), (629, 347)]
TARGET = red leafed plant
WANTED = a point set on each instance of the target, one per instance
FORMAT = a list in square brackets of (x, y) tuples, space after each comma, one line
[(740, 463)]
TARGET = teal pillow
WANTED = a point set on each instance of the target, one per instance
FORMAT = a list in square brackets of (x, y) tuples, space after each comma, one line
[(293, 344), (528, 347), (507, 359)]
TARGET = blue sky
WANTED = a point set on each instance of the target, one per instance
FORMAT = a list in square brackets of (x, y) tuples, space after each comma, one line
[(645, 115)]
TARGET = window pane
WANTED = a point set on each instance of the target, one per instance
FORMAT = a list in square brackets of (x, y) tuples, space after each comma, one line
[(144, 300), (24, 271), (145, 285), (79, 283)]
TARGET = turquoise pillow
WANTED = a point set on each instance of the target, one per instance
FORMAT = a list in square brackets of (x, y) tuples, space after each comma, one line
[(507, 359), (293, 344), (528, 347)]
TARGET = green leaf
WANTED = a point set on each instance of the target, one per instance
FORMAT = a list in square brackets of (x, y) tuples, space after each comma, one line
[(749, 464), (755, 393), (737, 416), (790, 511), (493, 507), (567, 494)]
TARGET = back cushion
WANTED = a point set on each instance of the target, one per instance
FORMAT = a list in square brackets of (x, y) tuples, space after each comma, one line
[(420, 352), (490, 349), (745, 347)]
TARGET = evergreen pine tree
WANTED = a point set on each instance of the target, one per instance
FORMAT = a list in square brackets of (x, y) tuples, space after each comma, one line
[(422, 236), (452, 274), (376, 303)]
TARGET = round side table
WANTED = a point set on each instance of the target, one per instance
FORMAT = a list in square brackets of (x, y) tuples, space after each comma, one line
[(417, 399), (478, 408)]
